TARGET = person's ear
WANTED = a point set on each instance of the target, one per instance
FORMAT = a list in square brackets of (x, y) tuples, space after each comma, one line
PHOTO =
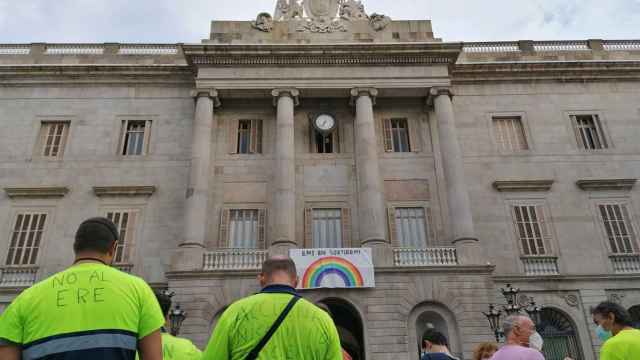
[(112, 252), (295, 282), (262, 280)]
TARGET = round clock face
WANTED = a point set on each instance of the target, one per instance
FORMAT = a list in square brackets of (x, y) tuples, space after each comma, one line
[(325, 122)]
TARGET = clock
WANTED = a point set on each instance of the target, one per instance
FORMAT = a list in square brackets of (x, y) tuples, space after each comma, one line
[(324, 122)]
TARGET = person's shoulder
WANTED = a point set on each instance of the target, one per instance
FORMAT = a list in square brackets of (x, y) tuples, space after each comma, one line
[(310, 308)]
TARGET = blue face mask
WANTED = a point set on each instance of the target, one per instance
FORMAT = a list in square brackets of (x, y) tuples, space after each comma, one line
[(603, 334)]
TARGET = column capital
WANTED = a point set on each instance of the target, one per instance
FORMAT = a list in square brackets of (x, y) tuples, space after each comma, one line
[(290, 92), (361, 91), (210, 93), (434, 92)]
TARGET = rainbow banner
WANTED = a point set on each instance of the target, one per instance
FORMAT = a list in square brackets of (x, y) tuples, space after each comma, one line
[(334, 268)]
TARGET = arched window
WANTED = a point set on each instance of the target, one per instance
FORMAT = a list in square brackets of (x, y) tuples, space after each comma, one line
[(560, 336), (635, 316)]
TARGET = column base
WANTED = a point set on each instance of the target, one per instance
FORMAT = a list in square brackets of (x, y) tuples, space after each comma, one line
[(469, 251), (188, 257)]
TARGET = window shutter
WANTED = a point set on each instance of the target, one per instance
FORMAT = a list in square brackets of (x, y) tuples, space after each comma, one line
[(629, 226), (345, 214), (232, 137), (431, 226), (601, 137), (147, 137), (415, 135), (262, 217), (388, 137), (123, 134), (223, 241), (308, 227), (576, 130), (255, 143), (544, 229), (63, 139), (523, 244), (130, 237), (391, 220)]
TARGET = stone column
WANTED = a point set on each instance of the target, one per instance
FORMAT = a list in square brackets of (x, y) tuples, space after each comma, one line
[(371, 206), (190, 252), (460, 219), (284, 196)]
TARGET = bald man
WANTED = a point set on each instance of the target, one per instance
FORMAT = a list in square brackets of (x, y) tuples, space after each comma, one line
[(521, 335), (275, 323)]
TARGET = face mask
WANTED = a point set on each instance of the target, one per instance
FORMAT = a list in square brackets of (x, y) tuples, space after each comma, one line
[(603, 334), (535, 341)]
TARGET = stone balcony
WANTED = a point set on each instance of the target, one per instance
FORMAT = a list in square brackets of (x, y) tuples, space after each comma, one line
[(233, 259), (17, 277), (540, 265), (409, 257), (625, 263)]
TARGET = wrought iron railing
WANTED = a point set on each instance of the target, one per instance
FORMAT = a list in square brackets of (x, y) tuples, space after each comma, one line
[(540, 265), (410, 257), (18, 276), (234, 259), (626, 263)]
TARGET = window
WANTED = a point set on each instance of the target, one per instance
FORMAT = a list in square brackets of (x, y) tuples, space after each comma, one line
[(532, 229), (618, 229), (589, 134), (242, 228), (324, 143), (327, 228), (26, 238), (53, 137), (396, 135), (125, 221), (135, 137), (249, 137), (509, 134), (411, 227)]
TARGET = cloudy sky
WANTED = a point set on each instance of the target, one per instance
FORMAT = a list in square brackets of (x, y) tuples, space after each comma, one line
[(170, 21)]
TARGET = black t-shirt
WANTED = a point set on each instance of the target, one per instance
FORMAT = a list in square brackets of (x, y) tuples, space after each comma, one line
[(437, 356)]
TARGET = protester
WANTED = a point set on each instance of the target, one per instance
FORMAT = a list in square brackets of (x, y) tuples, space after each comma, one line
[(621, 340), (325, 308), (174, 348), (521, 334), (88, 311), (436, 346), (275, 323), (485, 351)]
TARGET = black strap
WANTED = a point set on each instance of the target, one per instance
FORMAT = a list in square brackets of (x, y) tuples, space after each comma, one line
[(265, 339)]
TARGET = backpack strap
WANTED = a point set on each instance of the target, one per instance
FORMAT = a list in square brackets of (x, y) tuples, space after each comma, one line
[(265, 339)]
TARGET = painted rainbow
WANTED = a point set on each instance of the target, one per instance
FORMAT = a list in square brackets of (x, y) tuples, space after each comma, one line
[(331, 265)]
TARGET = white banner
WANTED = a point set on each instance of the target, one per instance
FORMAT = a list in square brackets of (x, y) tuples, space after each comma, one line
[(334, 268)]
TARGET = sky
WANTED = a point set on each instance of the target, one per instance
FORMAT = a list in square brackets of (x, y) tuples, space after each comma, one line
[(188, 21)]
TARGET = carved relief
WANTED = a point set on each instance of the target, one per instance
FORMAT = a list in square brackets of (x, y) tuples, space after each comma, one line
[(288, 9), (263, 22), (353, 10), (571, 300), (379, 22), (616, 298), (322, 27)]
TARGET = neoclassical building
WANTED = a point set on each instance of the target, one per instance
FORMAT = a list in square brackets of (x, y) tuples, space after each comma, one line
[(462, 166)]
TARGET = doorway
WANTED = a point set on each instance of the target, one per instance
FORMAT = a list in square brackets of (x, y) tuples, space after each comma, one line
[(349, 325)]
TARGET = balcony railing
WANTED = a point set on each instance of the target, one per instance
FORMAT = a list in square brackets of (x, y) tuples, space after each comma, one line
[(626, 263), (425, 257), (18, 276), (234, 259), (540, 265)]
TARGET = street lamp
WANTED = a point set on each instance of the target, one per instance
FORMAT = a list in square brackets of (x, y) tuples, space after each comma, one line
[(176, 317), (512, 307), (494, 321), (535, 312)]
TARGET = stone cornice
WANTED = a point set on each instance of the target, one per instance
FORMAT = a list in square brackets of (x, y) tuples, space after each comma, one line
[(606, 184), (522, 185), (109, 191), (36, 192)]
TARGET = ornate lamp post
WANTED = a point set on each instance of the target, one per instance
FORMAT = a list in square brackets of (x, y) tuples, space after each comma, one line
[(511, 308), (176, 317)]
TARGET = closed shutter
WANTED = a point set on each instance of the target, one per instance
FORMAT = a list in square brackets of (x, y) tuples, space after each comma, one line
[(147, 138), (130, 237), (387, 135), (346, 227), (232, 137), (391, 220), (415, 135), (598, 125), (544, 229), (308, 227), (255, 143), (262, 217), (631, 241), (223, 241), (431, 227), (578, 132)]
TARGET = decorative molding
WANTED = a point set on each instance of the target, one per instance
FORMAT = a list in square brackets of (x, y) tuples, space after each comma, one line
[(524, 300), (434, 92), (210, 93), (290, 92), (616, 298), (606, 184), (572, 300), (36, 192), (522, 185), (106, 191), (356, 60), (357, 92)]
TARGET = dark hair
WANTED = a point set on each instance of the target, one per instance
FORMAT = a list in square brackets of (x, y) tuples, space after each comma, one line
[(164, 299), (95, 234), (435, 337), (620, 314), (274, 265)]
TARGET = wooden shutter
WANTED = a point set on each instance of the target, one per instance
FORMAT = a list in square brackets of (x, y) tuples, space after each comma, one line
[(415, 135), (576, 130), (544, 229), (387, 135), (345, 215), (223, 241), (431, 227), (63, 140), (123, 135), (130, 236), (255, 142), (147, 137), (524, 246), (598, 125), (262, 216), (393, 232), (232, 137), (308, 227), (627, 222)]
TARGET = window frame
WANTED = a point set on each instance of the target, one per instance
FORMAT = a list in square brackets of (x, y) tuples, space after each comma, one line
[(137, 233), (609, 200), (256, 147), (551, 248), (601, 126), (40, 138), (146, 137), (389, 144), (346, 221), (430, 222), (28, 207), (490, 116), (224, 222)]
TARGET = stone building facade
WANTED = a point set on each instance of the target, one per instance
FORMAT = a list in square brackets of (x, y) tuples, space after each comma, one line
[(463, 166)]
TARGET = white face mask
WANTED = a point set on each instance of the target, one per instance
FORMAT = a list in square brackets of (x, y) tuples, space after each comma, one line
[(535, 341)]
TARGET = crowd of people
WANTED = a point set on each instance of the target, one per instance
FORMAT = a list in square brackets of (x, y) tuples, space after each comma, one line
[(94, 311)]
